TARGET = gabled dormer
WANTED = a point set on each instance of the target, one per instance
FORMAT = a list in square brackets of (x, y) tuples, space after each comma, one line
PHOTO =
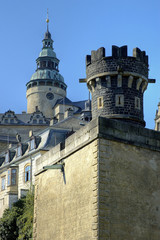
[(38, 118), (9, 117)]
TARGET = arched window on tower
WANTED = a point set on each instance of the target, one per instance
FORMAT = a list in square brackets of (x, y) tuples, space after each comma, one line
[(44, 64)]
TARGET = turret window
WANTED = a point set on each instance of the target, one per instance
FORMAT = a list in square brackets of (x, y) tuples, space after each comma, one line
[(56, 66), (34, 84), (119, 100), (44, 64), (49, 83), (41, 83), (100, 102), (49, 64), (137, 103)]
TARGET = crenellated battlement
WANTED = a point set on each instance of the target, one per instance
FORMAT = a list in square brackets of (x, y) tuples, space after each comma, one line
[(117, 52), (117, 83), (97, 62)]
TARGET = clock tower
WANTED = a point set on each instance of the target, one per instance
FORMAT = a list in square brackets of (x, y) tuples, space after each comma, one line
[(47, 84)]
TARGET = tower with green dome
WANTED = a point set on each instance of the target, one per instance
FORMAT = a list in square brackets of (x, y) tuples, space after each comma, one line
[(47, 84)]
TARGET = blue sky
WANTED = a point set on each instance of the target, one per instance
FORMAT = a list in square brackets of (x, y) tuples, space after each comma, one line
[(77, 28)]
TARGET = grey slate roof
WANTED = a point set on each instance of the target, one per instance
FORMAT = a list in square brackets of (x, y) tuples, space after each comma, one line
[(67, 101)]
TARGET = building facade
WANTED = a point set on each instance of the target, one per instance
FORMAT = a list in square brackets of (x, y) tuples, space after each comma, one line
[(47, 103), (104, 183), (94, 179)]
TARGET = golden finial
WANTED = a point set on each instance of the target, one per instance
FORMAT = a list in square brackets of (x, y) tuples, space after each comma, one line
[(47, 20)]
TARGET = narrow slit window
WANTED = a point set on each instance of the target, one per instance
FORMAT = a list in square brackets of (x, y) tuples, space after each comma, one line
[(137, 103), (100, 102), (119, 100)]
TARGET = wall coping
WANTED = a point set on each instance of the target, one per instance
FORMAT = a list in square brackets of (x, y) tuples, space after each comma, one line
[(101, 128)]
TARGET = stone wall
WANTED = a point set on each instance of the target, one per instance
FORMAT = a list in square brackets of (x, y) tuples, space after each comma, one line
[(65, 205), (97, 62), (129, 205), (117, 83), (110, 187)]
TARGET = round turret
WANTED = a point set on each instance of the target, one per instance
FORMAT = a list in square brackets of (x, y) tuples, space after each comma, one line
[(117, 83), (47, 84)]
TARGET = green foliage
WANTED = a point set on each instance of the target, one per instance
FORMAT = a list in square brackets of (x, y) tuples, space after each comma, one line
[(25, 221), (17, 222)]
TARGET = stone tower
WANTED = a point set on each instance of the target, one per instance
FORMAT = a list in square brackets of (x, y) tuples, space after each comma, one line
[(117, 83), (47, 84)]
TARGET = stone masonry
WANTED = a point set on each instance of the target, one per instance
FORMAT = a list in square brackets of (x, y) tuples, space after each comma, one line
[(109, 188), (117, 83)]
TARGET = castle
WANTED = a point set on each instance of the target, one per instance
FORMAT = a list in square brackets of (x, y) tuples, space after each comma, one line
[(95, 170)]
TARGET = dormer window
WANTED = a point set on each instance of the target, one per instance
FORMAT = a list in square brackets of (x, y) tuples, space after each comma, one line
[(19, 151), (32, 144), (7, 157), (12, 121)]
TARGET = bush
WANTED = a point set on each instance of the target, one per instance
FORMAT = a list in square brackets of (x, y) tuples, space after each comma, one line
[(17, 222)]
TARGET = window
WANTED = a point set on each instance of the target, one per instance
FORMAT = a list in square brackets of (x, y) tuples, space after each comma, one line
[(100, 102), (7, 157), (3, 181), (34, 121), (12, 121), (9, 177), (27, 173), (34, 84), (32, 144), (137, 103), (12, 177), (19, 151), (120, 100)]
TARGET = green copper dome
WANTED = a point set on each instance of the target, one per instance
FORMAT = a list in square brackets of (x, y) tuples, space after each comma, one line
[(47, 74), (47, 52)]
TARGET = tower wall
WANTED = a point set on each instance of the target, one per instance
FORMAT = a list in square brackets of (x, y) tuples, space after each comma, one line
[(41, 96), (109, 188), (117, 83)]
